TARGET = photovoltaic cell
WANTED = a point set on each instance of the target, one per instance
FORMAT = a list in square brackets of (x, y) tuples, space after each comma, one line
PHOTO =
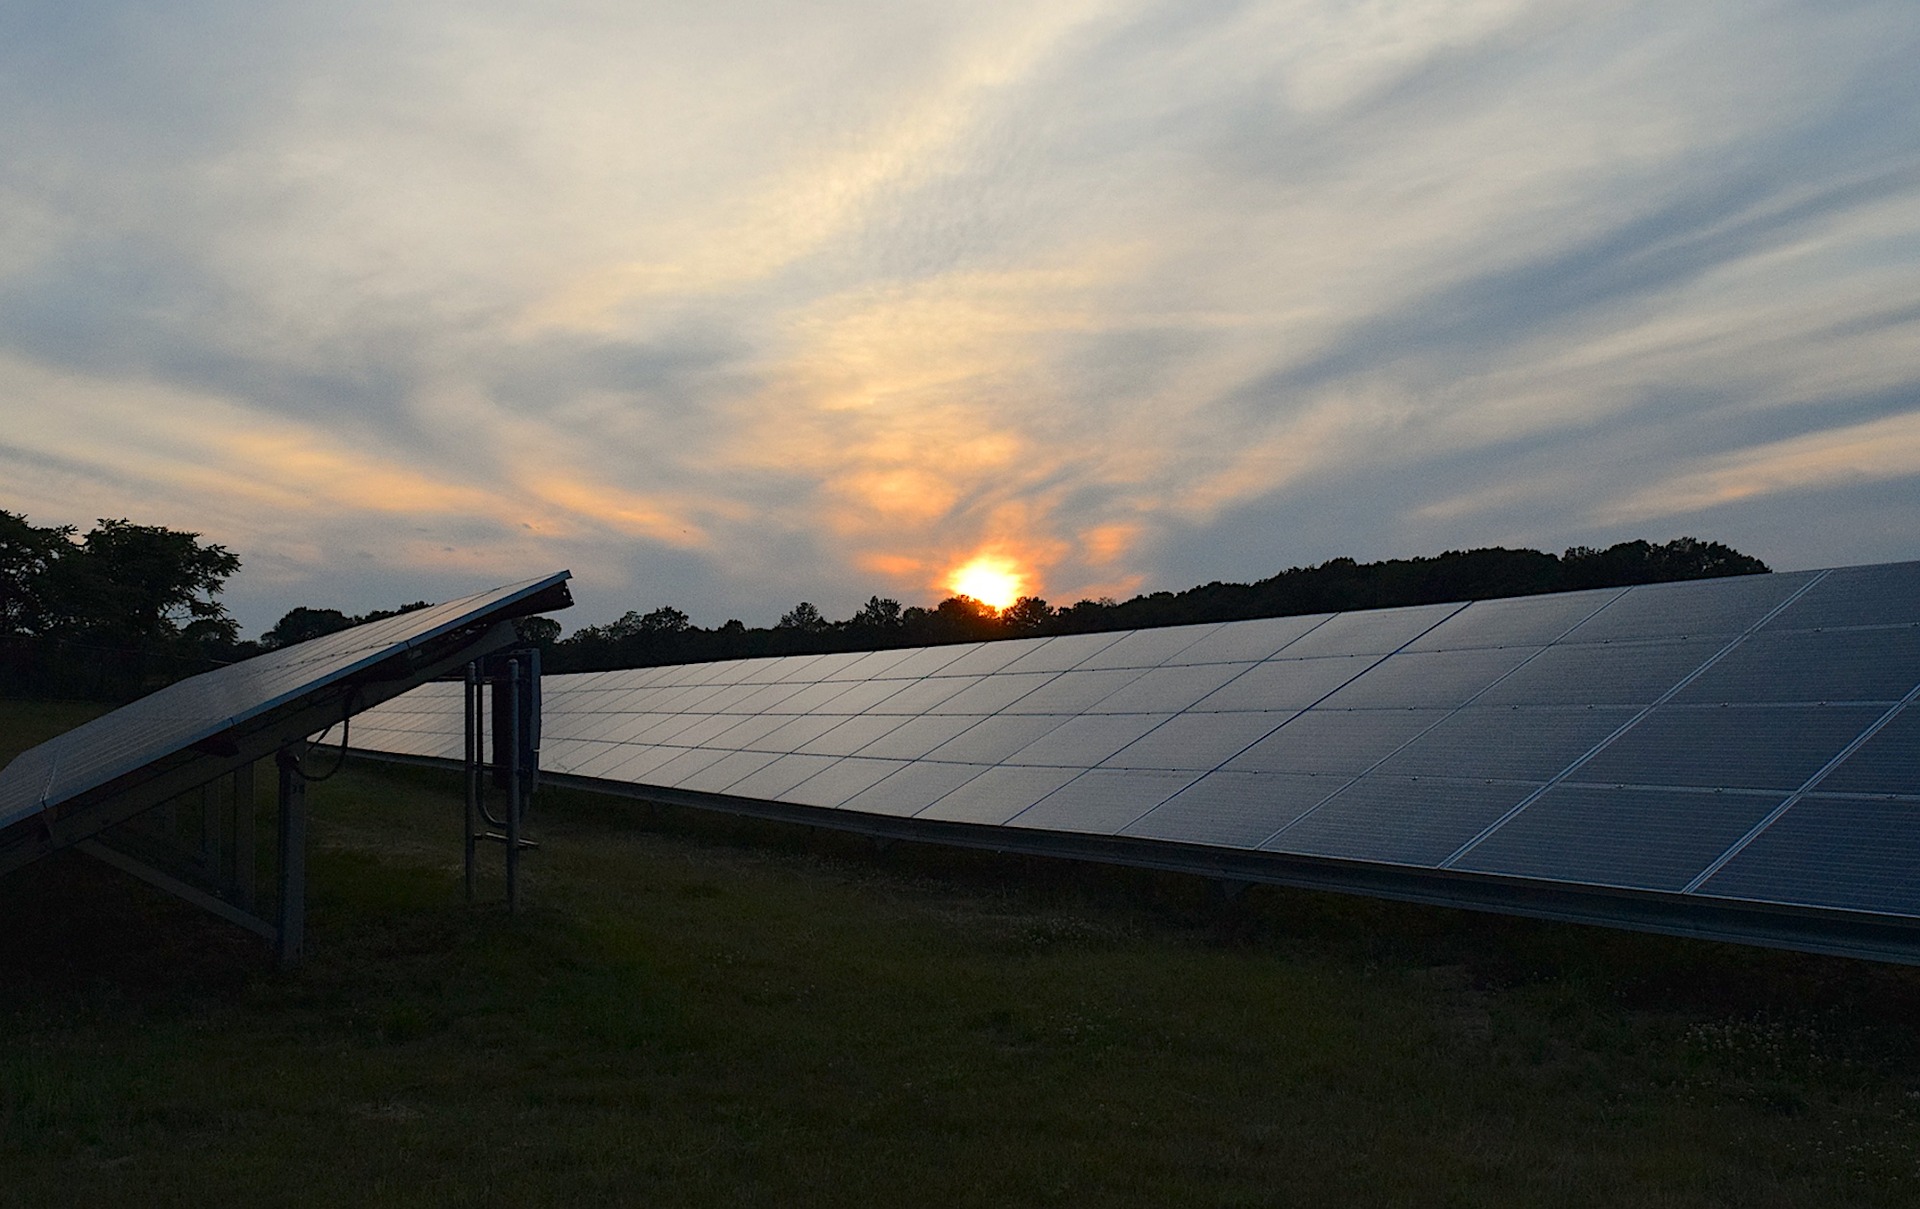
[(1376, 632), (1197, 741), (1612, 673), (776, 778), (1833, 665), (1102, 801), (1287, 683), (1400, 821), (923, 696), (1235, 809), (833, 785), (988, 657), (998, 794), (729, 768), (1527, 621), (1428, 678), (1888, 763), (684, 765), (1718, 606), (1338, 742), (1149, 648), (1855, 596), (1730, 747), (915, 737), (1074, 692), (1506, 743), (992, 740), (1062, 653), (853, 734), (992, 694), (1645, 839), (1087, 740), (1168, 689), (1854, 854), (1248, 641), (913, 788)]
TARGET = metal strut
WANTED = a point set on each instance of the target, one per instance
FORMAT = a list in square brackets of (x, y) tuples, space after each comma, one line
[(507, 689)]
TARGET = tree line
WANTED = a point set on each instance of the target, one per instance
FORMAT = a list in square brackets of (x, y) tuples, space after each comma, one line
[(667, 635), (123, 608)]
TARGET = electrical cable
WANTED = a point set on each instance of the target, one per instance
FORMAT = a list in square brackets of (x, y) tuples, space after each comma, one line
[(346, 731)]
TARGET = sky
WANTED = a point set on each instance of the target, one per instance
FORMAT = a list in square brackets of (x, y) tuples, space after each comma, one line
[(727, 305)]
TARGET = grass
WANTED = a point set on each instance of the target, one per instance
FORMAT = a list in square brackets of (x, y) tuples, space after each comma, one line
[(699, 1010)]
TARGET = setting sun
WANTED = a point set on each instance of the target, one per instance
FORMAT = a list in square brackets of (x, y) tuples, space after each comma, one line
[(989, 579)]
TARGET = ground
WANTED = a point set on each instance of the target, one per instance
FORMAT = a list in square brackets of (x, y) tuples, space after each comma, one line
[(697, 1010)]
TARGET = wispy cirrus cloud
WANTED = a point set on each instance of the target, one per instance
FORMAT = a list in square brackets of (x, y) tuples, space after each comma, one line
[(726, 305)]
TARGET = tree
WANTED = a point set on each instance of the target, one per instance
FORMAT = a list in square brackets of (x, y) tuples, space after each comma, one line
[(1641, 562), (879, 613), (542, 632), (139, 583), (302, 624), (664, 620), (803, 617), (1026, 615), (27, 555)]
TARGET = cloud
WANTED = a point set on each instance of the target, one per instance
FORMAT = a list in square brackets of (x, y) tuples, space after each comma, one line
[(729, 305)]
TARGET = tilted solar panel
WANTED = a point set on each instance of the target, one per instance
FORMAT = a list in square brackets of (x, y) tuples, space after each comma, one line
[(1733, 757), (73, 785)]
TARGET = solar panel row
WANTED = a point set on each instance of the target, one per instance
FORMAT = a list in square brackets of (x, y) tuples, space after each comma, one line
[(165, 726), (1739, 739)]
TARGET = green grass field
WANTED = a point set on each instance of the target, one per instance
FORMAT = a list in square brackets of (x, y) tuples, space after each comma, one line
[(706, 1011)]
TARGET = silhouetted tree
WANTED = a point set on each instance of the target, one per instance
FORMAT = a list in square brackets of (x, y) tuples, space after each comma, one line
[(1026, 615), (300, 624), (803, 617), (879, 613), (27, 555)]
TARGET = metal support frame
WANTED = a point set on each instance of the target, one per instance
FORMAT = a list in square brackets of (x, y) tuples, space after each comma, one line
[(290, 934), (134, 823), (225, 860), (514, 761)]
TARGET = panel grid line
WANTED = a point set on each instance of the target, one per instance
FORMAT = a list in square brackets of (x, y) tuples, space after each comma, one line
[(1627, 726), (1349, 680), (1256, 663), (1811, 783), (1440, 721)]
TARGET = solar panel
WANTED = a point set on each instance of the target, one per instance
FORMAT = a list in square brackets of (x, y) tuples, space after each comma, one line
[(159, 732), (1736, 757), (95, 787)]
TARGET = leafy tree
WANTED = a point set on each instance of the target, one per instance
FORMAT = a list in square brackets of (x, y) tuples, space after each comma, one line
[(1026, 615), (803, 617), (879, 613), (664, 620), (542, 632), (139, 583), (302, 624), (27, 555)]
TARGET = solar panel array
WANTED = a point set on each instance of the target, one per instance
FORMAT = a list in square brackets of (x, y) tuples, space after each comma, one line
[(175, 718), (1745, 739)]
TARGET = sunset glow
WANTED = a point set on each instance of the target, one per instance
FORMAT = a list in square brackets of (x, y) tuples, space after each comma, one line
[(989, 579)]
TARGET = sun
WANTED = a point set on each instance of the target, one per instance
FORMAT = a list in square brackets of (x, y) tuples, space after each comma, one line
[(989, 579)]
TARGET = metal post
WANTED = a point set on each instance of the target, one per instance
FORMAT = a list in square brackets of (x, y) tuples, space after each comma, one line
[(514, 787), (473, 766), (242, 869), (210, 830), (290, 936)]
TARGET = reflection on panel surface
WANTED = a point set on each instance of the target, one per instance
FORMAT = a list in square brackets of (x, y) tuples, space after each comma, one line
[(1745, 734)]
